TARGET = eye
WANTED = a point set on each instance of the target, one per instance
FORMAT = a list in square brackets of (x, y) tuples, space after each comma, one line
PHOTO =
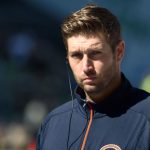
[(76, 55), (95, 54)]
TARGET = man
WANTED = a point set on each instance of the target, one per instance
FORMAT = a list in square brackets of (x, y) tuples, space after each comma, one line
[(107, 112)]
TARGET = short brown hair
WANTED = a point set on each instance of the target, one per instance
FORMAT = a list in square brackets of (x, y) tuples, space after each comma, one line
[(90, 21)]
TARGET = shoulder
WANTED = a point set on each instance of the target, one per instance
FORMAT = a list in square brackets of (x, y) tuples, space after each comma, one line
[(143, 106), (53, 119), (63, 109), (141, 103)]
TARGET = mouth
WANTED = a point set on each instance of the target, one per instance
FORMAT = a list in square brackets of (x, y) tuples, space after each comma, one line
[(89, 80)]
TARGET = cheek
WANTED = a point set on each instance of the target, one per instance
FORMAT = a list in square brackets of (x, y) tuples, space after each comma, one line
[(99, 66), (75, 65), (75, 69), (103, 66)]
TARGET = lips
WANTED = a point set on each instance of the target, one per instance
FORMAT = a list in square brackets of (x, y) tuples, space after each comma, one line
[(89, 79)]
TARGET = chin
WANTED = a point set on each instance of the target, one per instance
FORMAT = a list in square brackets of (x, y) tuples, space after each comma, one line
[(90, 89)]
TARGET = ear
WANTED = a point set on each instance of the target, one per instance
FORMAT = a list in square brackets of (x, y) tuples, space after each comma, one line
[(120, 50)]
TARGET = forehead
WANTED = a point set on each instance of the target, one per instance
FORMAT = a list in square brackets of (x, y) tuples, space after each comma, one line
[(77, 42)]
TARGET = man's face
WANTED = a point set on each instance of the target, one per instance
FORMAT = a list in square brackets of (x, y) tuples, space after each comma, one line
[(94, 65)]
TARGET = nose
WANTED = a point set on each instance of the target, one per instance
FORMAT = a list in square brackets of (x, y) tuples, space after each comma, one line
[(87, 64)]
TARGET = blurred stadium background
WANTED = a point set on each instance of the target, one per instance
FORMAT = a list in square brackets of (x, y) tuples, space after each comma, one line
[(33, 75)]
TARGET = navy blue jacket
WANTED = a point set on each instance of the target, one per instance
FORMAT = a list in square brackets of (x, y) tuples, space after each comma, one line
[(120, 122)]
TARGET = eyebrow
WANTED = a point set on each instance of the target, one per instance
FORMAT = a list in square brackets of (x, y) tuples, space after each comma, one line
[(98, 43)]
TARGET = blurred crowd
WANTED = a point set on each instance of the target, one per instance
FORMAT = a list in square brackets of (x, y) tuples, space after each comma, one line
[(15, 136), (32, 73), (31, 85)]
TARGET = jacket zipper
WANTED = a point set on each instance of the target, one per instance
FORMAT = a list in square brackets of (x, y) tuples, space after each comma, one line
[(88, 127)]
